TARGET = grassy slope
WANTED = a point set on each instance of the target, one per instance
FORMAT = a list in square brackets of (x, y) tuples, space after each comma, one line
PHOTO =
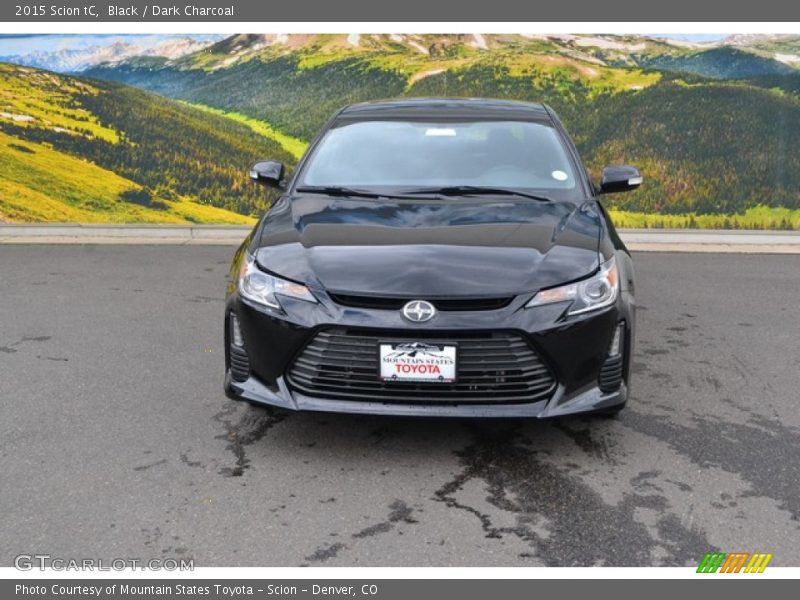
[(36, 99), (41, 184), (760, 217), (80, 150)]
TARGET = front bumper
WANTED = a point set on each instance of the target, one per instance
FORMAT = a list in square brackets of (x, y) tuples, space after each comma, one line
[(574, 349), (590, 400)]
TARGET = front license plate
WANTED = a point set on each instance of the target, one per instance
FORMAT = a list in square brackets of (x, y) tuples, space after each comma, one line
[(418, 361)]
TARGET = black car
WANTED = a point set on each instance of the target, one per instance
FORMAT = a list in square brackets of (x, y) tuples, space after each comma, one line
[(443, 257)]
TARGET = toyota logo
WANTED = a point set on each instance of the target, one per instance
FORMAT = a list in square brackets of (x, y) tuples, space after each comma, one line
[(419, 311)]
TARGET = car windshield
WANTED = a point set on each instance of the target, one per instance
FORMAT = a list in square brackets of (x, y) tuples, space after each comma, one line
[(414, 155)]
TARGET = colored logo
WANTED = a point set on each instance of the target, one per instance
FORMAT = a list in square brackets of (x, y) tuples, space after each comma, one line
[(736, 562)]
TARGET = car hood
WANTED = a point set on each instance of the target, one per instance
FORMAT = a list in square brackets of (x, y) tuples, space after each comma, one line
[(452, 247)]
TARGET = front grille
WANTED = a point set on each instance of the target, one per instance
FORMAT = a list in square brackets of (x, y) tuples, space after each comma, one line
[(240, 364), (342, 363), (444, 304), (611, 374)]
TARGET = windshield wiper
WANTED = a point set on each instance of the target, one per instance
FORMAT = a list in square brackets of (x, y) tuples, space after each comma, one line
[(347, 192), (332, 190), (476, 190)]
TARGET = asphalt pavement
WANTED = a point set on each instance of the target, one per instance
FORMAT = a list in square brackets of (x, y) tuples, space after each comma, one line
[(117, 441)]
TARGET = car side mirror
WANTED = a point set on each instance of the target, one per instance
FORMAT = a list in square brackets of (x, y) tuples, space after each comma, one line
[(268, 172), (621, 178)]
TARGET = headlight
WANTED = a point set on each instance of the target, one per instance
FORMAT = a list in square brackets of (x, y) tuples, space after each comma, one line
[(257, 286), (598, 291)]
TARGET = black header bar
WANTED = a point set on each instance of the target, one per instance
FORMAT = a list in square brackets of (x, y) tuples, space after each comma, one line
[(438, 11)]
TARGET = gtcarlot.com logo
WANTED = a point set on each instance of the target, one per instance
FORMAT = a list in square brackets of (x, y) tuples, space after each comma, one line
[(736, 562), (28, 562)]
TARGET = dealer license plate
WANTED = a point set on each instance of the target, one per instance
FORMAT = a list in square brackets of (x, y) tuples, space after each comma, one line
[(417, 361)]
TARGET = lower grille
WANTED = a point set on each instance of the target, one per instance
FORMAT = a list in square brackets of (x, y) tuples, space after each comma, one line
[(610, 378), (240, 364), (492, 368)]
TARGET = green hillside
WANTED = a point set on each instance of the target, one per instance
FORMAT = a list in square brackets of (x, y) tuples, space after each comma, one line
[(719, 63), (294, 146), (41, 184), (706, 146), (295, 100), (90, 151)]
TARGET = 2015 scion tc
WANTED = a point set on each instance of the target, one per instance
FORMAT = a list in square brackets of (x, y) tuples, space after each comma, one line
[(442, 257)]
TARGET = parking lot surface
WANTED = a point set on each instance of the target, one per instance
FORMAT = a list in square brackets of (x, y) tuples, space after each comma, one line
[(116, 439)]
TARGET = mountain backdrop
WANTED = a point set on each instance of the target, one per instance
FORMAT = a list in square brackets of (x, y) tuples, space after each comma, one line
[(74, 53), (712, 126)]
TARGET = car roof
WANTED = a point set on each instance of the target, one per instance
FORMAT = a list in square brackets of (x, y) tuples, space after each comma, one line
[(445, 108)]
